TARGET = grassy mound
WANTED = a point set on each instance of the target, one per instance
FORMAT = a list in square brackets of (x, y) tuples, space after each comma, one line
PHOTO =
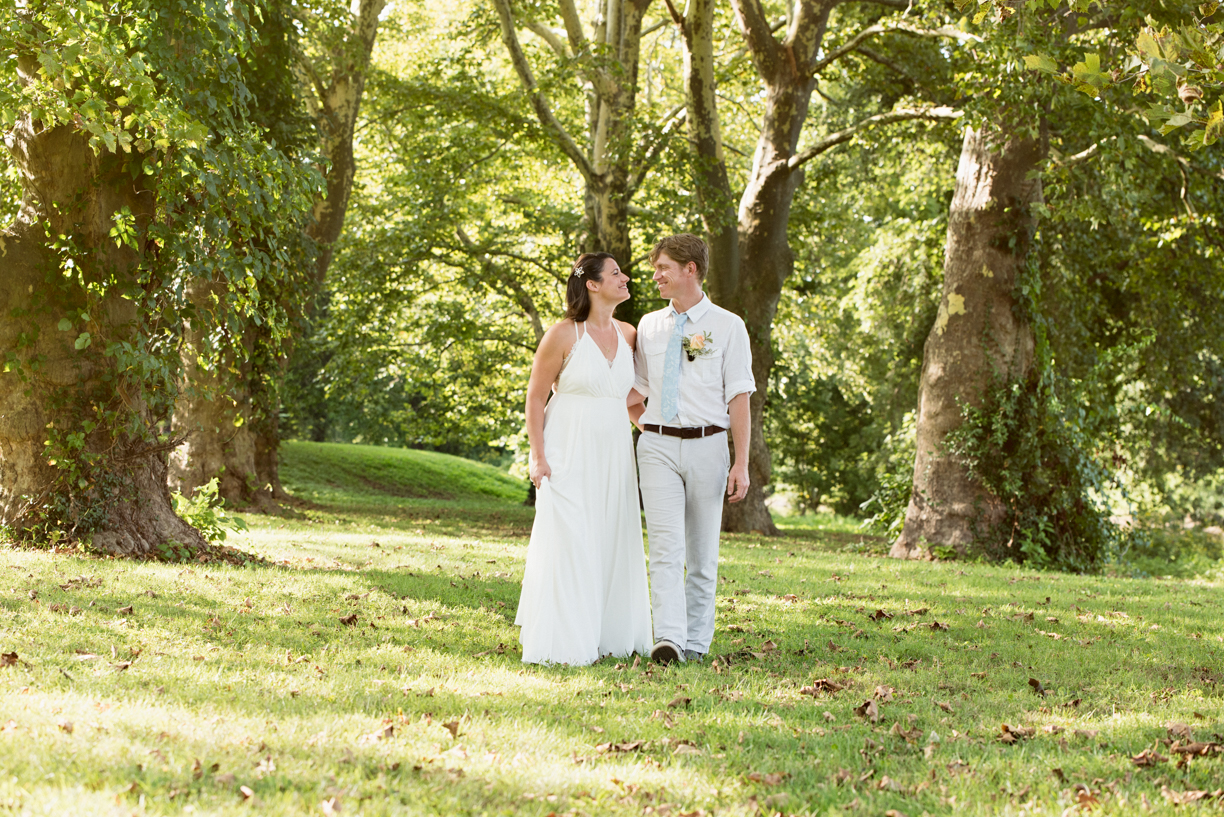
[(364, 473)]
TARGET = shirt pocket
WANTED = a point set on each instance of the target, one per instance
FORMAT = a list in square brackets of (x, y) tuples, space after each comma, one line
[(655, 361), (708, 368)]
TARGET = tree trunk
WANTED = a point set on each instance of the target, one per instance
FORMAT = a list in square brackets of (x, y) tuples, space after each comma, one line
[(977, 331), (235, 436), (117, 496)]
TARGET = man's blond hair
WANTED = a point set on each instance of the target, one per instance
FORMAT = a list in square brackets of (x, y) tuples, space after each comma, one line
[(683, 248)]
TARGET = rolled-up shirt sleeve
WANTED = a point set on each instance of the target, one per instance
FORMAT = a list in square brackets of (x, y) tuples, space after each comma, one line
[(641, 381), (737, 363)]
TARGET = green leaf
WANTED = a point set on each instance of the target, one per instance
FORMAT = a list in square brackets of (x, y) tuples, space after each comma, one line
[(1147, 45), (83, 340), (1040, 62), (64, 325), (1215, 125)]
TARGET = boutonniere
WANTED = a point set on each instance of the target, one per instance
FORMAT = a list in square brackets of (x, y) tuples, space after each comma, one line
[(696, 345)]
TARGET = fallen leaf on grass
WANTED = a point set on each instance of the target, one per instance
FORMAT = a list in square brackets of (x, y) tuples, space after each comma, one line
[(977, 675), (908, 735), (1148, 757), (125, 611), (686, 749), (8, 659), (1011, 734), (1086, 733), (869, 710), (768, 647), (330, 806), (883, 694), (1037, 687), (1183, 798), (1193, 748), (452, 727), (611, 748), (769, 779), (247, 792), (65, 726), (946, 707), (821, 685), (349, 620), (1178, 730), (879, 615), (386, 732), (678, 702)]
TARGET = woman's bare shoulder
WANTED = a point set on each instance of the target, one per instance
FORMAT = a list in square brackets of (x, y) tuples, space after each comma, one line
[(629, 331)]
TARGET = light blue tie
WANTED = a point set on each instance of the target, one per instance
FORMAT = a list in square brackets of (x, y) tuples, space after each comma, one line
[(671, 371)]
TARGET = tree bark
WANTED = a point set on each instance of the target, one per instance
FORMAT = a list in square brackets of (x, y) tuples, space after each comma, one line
[(977, 331), (235, 435), (612, 160), (751, 258), (120, 501)]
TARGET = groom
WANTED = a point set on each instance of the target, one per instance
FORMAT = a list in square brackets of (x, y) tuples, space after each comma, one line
[(695, 370)]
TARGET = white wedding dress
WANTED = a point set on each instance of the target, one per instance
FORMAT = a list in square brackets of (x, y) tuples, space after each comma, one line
[(584, 587)]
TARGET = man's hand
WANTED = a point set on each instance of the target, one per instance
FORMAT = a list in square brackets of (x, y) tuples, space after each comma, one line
[(737, 482)]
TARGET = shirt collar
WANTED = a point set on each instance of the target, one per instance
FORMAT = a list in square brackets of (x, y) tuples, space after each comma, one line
[(697, 311)]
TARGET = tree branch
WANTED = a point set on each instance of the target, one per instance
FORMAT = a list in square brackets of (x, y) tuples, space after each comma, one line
[(538, 101), (573, 26), (899, 27), (653, 151), (941, 113), (549, 36), (766, 51), (903, 5), (510, 281)]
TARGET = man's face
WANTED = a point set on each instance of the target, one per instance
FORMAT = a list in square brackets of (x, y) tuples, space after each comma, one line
[(670, 277)]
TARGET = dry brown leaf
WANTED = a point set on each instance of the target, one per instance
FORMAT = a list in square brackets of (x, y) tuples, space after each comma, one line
[(679, 702), (1148, 757), (946, 707), (452, 727), (247, 792), (349, 620), (631, 746), (1194, 748), (769, 778), (821, 685), (125, 611), (1178, 730), (869, 710), (879, 615), (883, 694), (65, 726), (8, 659)]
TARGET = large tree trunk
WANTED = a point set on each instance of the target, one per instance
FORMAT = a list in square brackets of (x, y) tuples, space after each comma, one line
[(117, 497), (235, 435), (978, 331), (765, 258)]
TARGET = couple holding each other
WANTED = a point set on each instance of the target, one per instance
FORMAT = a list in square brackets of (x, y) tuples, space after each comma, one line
[(584, 588)]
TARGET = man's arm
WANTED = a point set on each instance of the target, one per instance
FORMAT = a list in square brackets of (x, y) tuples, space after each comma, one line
[(741, 432)]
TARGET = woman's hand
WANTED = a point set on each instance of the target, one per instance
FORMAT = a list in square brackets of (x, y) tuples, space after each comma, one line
[(539, 471)]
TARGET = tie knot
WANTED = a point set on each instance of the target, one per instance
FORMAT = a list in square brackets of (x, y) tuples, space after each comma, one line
[(681, 319)]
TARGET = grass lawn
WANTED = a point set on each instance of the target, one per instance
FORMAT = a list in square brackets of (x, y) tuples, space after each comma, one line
[(370, 666)]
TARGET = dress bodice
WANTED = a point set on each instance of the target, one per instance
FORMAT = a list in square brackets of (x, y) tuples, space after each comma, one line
[(587, 372)]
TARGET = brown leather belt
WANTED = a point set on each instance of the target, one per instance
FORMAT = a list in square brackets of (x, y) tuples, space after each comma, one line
[(684, 433)]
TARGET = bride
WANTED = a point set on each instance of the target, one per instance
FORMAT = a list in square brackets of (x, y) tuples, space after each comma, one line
[(584, 588)]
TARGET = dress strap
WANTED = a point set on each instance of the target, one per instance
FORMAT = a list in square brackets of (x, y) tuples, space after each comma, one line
[(578, 336)]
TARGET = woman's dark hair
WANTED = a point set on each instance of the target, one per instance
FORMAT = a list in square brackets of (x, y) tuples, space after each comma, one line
[(588, 267)]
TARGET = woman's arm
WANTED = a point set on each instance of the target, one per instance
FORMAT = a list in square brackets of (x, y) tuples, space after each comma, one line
[(544, 370), (636, 401)]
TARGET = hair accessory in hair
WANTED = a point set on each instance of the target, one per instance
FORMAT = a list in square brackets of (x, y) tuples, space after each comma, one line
[(578, 271)]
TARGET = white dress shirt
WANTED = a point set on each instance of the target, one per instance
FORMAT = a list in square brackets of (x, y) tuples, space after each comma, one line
[(707, 383)]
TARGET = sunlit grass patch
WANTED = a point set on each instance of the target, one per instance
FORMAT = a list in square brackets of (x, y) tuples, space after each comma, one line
[(374, 667)]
